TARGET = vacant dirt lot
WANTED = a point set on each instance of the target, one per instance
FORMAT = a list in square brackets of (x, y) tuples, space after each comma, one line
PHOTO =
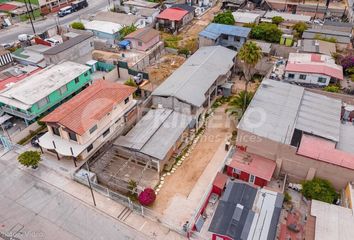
[(184, 179)]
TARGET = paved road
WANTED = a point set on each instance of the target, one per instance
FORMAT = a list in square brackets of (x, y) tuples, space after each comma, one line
[(31, 209), (10, 35)]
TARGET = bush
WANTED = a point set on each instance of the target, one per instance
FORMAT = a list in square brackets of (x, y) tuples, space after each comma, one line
[(224, 18), (77, 25), (300, 28), (277, 20), (184, 51), (147, 197), (130, 82), (287, 197), (330, 39), (29, 158), (266, 31), (126, 31), (331, 88), (319, 189)]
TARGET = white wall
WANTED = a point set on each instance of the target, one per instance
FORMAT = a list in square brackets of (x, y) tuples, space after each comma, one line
[(310, 78)]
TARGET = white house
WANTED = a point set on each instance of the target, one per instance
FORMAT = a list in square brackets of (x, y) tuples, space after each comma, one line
[(312, 69)]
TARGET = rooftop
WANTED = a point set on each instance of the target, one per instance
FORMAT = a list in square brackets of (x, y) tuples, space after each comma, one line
[(341, 37), (155, 133), (15, 74), (30, 90), (143, 34), (288, 16), (317, 46), (245, 17), (314, 63), (191, 81), (103, 26), (67, 44), (184, 7), (332, 221), (214, 30), (118, 18), (80, 113), (173, 14), (139, 3)]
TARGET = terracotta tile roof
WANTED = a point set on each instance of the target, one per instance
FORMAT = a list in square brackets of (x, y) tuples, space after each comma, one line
[(83, 111), (7, 7), (143, 34), (173, 14)]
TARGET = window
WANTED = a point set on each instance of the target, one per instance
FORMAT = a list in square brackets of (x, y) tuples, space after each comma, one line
[(63, 90), (89, 148), (85, 74), (93, 129), (140, 44), (291, 75), (44, 101), (302, 76), (77, 80), (106, 132), (72, 136), (252, 178), (322, 80), (56, 131), (126, 100), (236, 171)]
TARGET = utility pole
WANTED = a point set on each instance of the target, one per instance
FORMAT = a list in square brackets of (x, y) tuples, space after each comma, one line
[(30, 6), (93, 196), (29, 15)]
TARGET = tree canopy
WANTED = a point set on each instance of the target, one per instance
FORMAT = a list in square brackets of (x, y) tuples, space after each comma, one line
[(250, 53), (266, 31), (29, 158), (299, 28), (238, 102), (126, 30), (277, 20), (224, 18), (78, 25), (319, 189)]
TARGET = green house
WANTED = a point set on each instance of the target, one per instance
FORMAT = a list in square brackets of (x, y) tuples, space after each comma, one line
[(42, 92)]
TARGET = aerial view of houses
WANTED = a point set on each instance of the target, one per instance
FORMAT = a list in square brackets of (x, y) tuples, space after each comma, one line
[(195, 119)]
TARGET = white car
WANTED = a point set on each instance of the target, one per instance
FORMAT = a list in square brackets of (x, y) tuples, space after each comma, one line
[(52, 41)]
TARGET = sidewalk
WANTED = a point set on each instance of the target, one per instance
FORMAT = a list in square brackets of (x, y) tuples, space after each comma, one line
[(105, 205)]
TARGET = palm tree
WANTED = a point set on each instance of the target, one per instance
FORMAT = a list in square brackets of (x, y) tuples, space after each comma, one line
[(250, 54), (241, 100)]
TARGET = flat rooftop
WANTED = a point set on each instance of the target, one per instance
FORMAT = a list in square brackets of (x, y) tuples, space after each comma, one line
[(103, 26), (288, 16), (30, 90)]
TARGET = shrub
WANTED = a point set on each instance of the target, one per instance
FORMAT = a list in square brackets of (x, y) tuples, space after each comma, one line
[(130, 82), (319, 189), (331, 88), (147, 197), (126, 30), (183, 51), (277, 20), (266, 31), (224, 18), (300, 28), (287, 197), (347, 62), (77, 25), (29, 158)]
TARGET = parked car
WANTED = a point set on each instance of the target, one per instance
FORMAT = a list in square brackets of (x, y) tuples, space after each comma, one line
[(65, 11), (7, 125), (79, 4), (52, 41), (25, 37), (34, 140)]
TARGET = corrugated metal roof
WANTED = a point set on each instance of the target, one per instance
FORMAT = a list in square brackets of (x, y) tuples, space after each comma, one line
[(214, 30), (156, 132), (341, 37), (288, 16), (191, 81), (68, 44)]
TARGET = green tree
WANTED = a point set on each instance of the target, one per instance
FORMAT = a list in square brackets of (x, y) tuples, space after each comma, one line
[(130, 82), (319, 189), (249, 55), (331, 88), (127, 30), (266, 31), (277, 20), (224, 18), (300, 28), (77, 25), (239, 102), (30, 158)]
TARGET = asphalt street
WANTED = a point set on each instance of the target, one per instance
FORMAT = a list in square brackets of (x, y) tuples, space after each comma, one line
[(10, 35)]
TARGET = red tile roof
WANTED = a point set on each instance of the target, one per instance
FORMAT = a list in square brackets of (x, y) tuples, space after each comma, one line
[(173, 14), (324, 150), (7, 7), (253, 164), (315, 68), (220, 180), (83, 111)]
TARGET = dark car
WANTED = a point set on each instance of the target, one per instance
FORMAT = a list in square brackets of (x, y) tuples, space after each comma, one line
[(7, 125), (34, 140)]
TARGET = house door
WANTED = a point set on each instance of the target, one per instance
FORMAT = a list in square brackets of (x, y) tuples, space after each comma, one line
[(252, 179)]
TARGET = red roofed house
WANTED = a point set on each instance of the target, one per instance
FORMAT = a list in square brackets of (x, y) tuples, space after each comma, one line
[(80, 126), (312, 69), (143, 39), (174, 18), (251, 168)]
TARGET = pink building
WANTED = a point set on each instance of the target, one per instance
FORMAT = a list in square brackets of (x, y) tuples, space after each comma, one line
[(143, 39)]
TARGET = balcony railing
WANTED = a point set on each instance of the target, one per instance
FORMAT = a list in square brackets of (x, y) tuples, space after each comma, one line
[(18, 113)]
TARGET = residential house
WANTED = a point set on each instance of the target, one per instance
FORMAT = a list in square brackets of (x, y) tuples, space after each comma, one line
[(148, 14), (201, 3), (31, 55), (250, 168), (284, 122), (80, 126), (288, 17), (45, 90), (108, 31), (174, 19), (316, 46), (246, 212), (121, 19), (233, 5), (193, 87), (155, 138), (72, 49), (140, 3), (143, 39), (5, 58), (225, 35), (242, 17), (312, 69), (341, 39)]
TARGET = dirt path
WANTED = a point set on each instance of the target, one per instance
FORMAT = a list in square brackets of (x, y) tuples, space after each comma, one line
[(184, 179)]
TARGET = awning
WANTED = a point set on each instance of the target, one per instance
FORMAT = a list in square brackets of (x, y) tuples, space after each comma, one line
[(4, 118), (124, 43), (220, 180)]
